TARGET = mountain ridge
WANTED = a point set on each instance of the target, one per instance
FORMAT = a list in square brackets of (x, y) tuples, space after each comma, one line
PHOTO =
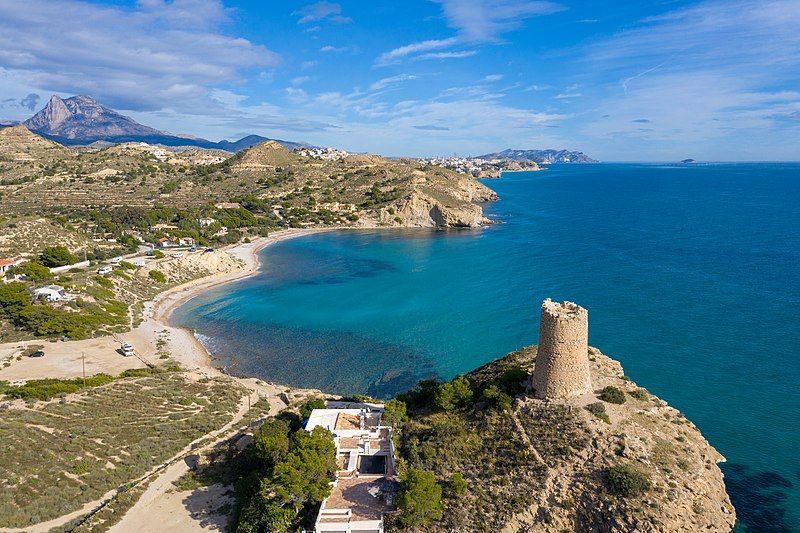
[(82, 120), (542, 157)]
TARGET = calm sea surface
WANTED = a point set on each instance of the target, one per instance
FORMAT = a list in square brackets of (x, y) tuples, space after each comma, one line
[(691, 275)]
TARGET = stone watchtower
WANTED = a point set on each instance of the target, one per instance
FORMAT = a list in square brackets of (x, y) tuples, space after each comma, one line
[(562, 364)]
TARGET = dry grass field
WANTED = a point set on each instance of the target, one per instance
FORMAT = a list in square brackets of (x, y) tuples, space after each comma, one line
[(56, 456)]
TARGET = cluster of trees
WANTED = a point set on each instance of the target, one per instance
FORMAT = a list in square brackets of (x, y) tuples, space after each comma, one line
[(464, 393), (291, 476), (376, 196), (17, 308), (57, 256)]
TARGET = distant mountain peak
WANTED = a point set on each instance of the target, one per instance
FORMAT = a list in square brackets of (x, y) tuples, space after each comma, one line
[(82, 120), (83, 117)]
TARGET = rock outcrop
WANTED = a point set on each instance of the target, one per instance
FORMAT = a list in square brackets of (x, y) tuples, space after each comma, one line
[(686, 487)]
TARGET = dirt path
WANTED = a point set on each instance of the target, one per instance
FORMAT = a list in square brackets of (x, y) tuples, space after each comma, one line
[(162, 507)]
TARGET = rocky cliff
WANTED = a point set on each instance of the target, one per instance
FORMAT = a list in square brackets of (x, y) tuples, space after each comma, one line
[(598, 462)]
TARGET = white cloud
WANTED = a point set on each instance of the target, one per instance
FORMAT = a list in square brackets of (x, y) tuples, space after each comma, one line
[(393, 56), (476, 21), (485, 20), (447, 55), (715, 79), (493, 77), (133, 59), (330, 49), (392, 80), (321, 11)]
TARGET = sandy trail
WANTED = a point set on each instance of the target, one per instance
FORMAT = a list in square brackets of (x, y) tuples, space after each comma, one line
[(162, 507)]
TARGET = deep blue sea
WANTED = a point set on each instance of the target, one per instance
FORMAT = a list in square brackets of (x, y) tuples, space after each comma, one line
[(690, 273)]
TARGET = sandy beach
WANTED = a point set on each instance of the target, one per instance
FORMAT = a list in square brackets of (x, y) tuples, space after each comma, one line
[(100, 355)]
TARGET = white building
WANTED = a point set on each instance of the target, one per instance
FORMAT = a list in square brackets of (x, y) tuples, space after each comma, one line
[(364, 489), (206, 222), (52, 293)]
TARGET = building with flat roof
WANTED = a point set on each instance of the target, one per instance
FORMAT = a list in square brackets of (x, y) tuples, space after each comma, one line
[(365, 484)]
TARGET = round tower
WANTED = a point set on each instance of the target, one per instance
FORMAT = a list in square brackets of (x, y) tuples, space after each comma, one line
[(562, 363)]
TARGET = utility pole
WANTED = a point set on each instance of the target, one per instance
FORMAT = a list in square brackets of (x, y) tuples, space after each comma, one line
[(83, 364)]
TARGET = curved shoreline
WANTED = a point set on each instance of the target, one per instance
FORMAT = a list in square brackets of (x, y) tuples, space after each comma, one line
[(187, 349)]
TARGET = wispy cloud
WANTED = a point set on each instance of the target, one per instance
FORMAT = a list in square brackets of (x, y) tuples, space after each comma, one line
[(321, 11), (475, 21), (134, 59), (713, 74), (485, 20), (395, 55), (391, 80), (447, 55), (330, 49)]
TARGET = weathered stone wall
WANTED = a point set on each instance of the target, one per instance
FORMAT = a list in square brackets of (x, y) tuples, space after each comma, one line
[(562, 363)]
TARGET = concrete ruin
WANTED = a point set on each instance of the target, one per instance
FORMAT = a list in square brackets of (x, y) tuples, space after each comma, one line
[(562, 363)]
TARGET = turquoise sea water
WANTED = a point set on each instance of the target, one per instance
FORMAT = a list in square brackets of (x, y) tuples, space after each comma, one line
[(691, 275)]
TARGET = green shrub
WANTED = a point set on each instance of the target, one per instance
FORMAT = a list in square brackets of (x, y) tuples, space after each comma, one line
[(421, 499), (308, 406), (639, 394), (612, 394), (456, 486), (511, 380), (598, 409), (453, 395), (625, 480), (33, 271), (104, 282), (395, 413), (497, 398), (158, 254), (44, 389), (56, 256), (157, 276)]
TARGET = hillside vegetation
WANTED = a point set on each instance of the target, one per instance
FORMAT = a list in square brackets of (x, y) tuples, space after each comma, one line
[(57, 455), (502, 460), (284, 187)]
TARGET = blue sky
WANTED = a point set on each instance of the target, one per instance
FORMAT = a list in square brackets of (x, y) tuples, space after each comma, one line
[(659, 80)]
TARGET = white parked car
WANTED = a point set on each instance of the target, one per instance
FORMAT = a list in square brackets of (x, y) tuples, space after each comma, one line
[(115, 261), (127, 349), (103, 270), (139, 263), (177, 254)]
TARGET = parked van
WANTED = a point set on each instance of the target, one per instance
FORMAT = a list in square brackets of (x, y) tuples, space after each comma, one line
[(127, 349), (103, 270)]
